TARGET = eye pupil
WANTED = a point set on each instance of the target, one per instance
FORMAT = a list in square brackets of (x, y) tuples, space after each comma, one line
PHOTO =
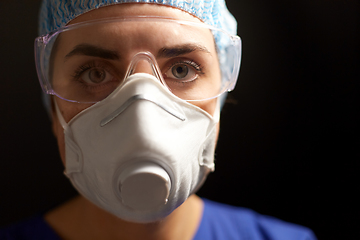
[(97, 75), (180, 71)]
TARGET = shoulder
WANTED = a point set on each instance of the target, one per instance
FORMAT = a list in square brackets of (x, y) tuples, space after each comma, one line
[(34, 228), (222, 221)]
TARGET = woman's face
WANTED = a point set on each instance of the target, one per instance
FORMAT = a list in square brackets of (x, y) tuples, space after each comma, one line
[(91, 61)]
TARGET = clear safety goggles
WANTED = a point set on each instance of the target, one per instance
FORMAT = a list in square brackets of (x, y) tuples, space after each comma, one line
[(87, 61)]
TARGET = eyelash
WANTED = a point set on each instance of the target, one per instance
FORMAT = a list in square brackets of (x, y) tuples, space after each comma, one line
[(198, 67), (80, 70)]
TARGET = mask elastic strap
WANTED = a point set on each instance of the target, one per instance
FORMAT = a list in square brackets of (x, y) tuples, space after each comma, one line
[(216, 116), (60, 116)]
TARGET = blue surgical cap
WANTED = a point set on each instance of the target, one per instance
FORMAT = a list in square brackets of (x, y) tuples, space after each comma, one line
[(57, 13)]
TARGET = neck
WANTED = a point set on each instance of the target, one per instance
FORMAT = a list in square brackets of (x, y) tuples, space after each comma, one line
[(80, 219)]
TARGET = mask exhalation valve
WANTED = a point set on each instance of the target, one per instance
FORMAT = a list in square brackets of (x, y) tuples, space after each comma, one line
[(144, 186)]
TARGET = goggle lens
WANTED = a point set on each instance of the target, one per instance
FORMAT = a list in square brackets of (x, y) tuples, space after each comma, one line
[(86, 62)]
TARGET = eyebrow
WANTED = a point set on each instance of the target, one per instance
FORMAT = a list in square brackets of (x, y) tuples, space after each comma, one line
[(165, 52), (93, 51), (174, 51)]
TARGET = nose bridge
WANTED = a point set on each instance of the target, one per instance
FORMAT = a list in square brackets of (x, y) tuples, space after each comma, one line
[(143, 66), (144, 62)]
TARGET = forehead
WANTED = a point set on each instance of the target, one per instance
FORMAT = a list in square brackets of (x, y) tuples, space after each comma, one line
[(135, 9), (137, 35)]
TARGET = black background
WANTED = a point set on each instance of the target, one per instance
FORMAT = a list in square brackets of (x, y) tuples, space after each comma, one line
[(289, 142)]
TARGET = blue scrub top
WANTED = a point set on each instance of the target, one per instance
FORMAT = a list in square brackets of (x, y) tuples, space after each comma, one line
[(219, 222)]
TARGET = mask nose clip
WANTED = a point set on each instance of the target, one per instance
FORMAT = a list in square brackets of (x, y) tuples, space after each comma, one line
[(145, 62)]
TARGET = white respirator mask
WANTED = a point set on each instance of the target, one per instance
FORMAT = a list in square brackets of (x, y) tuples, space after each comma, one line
[(140, 152)]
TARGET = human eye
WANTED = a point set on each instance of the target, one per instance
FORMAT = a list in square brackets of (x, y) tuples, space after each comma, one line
[(93, 74), (183, 71)]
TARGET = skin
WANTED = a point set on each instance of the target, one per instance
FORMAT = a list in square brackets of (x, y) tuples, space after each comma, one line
[(79, 218)]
